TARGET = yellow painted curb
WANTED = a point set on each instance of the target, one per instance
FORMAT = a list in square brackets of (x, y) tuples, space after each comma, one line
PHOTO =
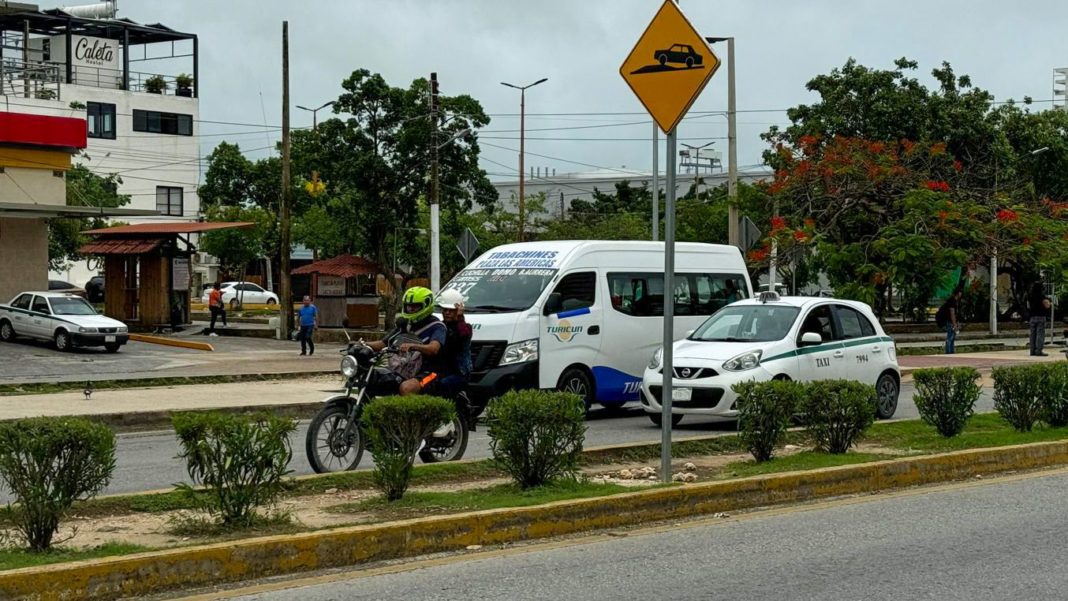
[(149, 573), (189, 344)]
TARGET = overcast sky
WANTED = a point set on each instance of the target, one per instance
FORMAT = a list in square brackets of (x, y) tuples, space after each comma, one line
[(579, 45)]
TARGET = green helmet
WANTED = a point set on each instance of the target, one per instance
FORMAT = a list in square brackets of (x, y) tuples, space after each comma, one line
[(418, 304)]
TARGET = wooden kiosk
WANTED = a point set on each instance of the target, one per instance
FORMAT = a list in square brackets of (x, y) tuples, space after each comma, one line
[(147, 270), (344, 287)]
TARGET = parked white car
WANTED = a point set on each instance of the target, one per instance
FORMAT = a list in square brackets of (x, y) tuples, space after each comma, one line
[(249, 294), (65, 319), (796, 338)]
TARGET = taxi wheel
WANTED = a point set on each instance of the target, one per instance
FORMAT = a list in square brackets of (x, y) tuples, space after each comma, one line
[(577, 381), (658, 419), (887, 391)]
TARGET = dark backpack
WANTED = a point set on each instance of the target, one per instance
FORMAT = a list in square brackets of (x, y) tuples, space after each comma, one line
[(942, 316)]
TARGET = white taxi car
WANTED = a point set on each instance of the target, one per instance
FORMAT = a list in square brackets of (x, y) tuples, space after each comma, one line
[(796, 338), (67, 320)]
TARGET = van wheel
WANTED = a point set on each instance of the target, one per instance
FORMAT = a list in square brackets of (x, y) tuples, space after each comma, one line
[(576, 381), (658, 419), (62, 341)]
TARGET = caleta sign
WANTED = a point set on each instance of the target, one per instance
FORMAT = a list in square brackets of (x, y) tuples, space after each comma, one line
[(94, 51)]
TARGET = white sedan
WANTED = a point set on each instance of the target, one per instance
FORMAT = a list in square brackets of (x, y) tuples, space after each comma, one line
[(795, 338), (67, 320), (247, 292)]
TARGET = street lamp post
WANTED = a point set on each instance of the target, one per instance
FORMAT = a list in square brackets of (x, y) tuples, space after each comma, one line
[(522, 136), (435, 214), (697, 163), (315, 113), (733, 224)]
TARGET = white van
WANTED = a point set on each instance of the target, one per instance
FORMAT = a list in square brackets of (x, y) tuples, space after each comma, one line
[(586, 316)]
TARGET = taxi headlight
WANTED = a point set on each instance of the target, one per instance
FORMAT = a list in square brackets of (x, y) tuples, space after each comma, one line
[(658, 356), (348, 366), (743, 362)]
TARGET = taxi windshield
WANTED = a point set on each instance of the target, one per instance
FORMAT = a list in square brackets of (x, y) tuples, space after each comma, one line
[(747, 323)]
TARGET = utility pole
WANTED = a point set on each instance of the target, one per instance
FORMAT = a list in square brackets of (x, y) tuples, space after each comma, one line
[(435, 208), (285, 291), (666, 394)]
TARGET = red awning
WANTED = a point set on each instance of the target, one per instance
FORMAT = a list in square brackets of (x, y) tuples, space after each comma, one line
[(121, 247), (181, 227), (42, 130), (342, 266)]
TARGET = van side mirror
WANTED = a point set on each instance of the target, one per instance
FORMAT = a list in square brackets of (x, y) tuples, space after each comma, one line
[(554, 304), (811, 339)]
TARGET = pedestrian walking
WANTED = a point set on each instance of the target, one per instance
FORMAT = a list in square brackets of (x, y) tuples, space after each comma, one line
[(946, 318), (1038, 304), (216, 307), (309, 320)]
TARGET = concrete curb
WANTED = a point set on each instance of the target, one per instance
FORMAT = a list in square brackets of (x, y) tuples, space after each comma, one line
[(150, 573), (151, 420), (163, 341)]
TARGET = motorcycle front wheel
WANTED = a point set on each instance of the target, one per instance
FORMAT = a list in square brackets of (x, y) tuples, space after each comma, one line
[(448, 443), (332, 444)]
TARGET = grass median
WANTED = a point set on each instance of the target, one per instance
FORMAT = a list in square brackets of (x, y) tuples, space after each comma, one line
[(55, 387)]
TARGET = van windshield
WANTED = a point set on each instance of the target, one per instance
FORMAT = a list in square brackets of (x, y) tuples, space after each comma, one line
[(747, 323), (500, 290)]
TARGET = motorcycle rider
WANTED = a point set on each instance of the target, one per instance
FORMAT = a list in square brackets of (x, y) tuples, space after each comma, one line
[(456, 354), (417, 318)]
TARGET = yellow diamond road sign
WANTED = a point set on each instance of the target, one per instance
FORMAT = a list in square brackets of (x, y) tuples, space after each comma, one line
[(669, 66)]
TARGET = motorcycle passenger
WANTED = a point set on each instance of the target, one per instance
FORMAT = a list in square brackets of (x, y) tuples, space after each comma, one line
[(417, 319), (455, 356)]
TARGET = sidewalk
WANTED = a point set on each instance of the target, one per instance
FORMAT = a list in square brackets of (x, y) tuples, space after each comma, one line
[(152, 406), (980, 361)]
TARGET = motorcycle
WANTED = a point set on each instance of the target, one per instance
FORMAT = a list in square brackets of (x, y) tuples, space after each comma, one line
[(336, 440)]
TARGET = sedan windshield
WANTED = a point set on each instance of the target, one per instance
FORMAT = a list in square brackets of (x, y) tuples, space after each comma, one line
[(71, 306), (500, 290), (747, 323)]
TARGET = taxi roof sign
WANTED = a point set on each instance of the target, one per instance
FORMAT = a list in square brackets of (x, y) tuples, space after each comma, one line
[(669, 66)]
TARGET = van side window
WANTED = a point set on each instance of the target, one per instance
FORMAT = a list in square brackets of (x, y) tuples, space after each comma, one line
[(642, 294), (577, 290)]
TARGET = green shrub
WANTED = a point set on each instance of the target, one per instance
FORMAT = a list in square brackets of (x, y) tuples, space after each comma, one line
[(536, 436), (946, 396), (1055, 394), (239, 459), (837, 412), (396, 427), (1018, 395), (48, 463), (764, 413)]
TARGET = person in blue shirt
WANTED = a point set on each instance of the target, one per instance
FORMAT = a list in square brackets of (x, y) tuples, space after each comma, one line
[(309, 320)]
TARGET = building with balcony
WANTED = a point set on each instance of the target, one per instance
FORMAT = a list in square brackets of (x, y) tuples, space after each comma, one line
[(135, 85)]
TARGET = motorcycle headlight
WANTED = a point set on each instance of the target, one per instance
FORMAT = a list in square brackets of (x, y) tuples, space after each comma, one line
[(348, 366), (658, 356), (743, 362), (520, 352)]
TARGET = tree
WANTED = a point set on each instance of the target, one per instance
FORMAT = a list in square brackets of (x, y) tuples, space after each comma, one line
[(84, 188), (374, 161)]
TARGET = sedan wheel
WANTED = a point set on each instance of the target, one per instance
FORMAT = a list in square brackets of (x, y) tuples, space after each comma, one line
[(62, 341), (886, 390), (7, 333)]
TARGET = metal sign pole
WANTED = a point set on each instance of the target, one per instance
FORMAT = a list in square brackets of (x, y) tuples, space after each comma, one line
[(669, 311), (656, 182)]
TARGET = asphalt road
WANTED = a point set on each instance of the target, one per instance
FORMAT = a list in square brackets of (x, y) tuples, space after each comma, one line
[(147, 460), (981, 542)]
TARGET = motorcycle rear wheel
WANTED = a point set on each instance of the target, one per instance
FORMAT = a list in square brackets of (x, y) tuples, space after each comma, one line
[(451, 446), (327, 446)]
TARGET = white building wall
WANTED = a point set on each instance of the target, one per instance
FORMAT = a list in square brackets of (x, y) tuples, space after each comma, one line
[(143, 160)]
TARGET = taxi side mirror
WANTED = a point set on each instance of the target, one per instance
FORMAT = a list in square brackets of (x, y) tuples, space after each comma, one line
[(811, 339)]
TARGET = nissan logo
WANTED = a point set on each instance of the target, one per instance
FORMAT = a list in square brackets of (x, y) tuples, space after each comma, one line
[(685, 372)]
